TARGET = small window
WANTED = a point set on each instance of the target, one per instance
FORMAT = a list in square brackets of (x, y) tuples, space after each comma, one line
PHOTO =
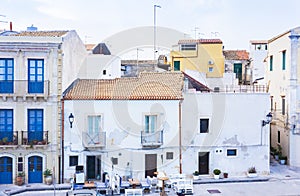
[(283, 105), (283, 59), (204, 124), (278, 137), (188, 46), (169, 155), (73, 161), (104, 72), (210, 69), (271, 63), (231, 152), (114, 161)]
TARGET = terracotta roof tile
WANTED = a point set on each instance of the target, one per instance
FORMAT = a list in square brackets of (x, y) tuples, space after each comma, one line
[(148, 86), (41, 33), (200, 41), (236, 54)]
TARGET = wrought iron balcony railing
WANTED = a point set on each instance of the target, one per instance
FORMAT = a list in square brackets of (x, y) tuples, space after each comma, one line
[(92, 140), (8, 138), (21, 88), (33, 138), (152, 139)]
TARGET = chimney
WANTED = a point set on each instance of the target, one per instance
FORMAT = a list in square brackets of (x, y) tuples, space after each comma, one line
[(10, 26)]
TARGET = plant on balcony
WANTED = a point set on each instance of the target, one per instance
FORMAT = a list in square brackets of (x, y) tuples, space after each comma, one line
[(48, 176)]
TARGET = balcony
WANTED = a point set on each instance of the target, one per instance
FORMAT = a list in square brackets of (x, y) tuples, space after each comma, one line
[(152, 140), (34, 138), (8, 139), (94, 140), (23, 88)]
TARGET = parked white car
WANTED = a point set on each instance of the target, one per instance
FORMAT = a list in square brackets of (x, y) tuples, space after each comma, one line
[(184, 187)]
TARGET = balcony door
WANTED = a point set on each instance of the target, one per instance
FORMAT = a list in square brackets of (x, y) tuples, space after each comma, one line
[(94, 129), (6, 125), (35, 125), (150, 128), (35, 76), (6, 75)]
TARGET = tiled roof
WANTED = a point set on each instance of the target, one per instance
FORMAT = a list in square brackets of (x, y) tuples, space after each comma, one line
[(148, 86), (200, 41), (236, 54), (41, 33), (258, 41)]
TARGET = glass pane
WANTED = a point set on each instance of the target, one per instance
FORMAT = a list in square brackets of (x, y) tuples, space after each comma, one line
[(2, 70)]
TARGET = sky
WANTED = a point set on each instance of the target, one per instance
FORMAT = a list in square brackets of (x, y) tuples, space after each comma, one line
[(235, 22)]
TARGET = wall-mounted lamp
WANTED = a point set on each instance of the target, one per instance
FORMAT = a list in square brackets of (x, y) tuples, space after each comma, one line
[(71, 119), (269, 118)]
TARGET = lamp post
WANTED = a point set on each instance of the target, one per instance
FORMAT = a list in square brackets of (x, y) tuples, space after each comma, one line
[(71, 119), (155, 6), (264, 123)]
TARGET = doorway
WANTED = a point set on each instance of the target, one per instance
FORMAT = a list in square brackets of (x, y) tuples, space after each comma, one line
[(93, 167), (150, 165), (203, 162)]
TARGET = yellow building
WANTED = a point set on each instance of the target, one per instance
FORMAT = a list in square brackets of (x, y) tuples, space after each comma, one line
[(203, 55)]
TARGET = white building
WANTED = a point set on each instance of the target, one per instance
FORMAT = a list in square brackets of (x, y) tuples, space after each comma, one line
[(224, 131), (35, 67), (141, 125), (130, 124), (282, 76), (258, 54)]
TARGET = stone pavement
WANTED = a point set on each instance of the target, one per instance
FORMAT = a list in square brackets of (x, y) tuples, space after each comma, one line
[(277, 172)]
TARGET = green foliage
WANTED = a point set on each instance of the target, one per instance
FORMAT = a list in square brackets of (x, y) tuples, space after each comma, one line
[(196, 173), (21, 174), (47, 172), (217, 171), (252, 170)]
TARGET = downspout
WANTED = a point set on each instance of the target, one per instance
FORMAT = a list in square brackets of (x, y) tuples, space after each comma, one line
[(62, 141), (180, 142)]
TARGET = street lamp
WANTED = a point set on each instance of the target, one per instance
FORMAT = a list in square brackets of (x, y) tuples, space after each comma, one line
[(71, 119), (268, 120), (155, 6)]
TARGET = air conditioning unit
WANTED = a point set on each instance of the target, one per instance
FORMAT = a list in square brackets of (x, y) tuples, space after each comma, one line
[(210, 62)]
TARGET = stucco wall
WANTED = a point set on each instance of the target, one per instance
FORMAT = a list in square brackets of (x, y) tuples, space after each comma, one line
[(234, 123)]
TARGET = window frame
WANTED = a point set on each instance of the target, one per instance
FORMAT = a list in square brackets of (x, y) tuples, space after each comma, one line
[(271, 63), (150, 125), (234, 150), (200, 126), (188, 47), (71, 157), (283, 59)]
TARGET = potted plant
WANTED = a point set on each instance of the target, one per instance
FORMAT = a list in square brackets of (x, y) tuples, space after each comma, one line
[(225, 174), (252, 172), (20, 178), (276, 154), (48, 176), (196, 175), (217, 173), (282, 159)]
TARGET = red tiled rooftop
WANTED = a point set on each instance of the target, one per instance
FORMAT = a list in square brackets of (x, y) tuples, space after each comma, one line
[(236, 54), (148, 86), (41, 33), (200, 41)]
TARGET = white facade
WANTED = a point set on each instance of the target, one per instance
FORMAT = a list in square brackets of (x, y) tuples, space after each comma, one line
[(98, 66), (258, 54), (47, 61), (282, 76), (235, 139), (122, 123)]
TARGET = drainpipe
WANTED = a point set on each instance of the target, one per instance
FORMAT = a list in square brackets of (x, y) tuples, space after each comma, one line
[(180, 142), (62, 141)]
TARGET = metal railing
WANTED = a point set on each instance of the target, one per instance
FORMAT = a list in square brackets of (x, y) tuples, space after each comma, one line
[(34, 138), (94, 139), (241, 89), (8, 138), (24, 88), (152, 139)]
